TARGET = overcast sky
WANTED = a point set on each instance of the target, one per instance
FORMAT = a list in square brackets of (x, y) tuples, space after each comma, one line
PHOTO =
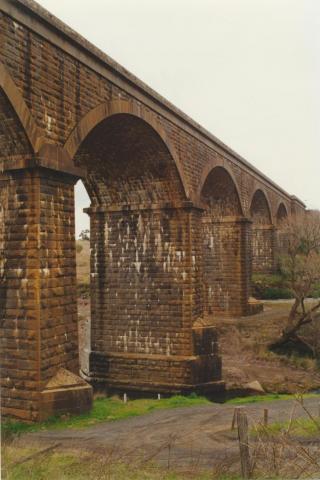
[(247, 70)]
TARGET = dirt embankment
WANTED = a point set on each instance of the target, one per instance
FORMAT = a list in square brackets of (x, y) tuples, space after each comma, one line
[(246, 357)]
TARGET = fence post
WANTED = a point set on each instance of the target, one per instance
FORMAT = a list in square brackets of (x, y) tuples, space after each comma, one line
[(242, 422), (234, 418), (265, 417)]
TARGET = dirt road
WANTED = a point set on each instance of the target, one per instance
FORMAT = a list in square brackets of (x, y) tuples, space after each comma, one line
[(181, 437)]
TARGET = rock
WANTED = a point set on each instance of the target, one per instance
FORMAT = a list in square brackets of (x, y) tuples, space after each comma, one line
[(254, 386)]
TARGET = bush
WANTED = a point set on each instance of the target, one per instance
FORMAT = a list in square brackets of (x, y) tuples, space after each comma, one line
[(83, 290), (316, 291), (79, 248), (270, 287)]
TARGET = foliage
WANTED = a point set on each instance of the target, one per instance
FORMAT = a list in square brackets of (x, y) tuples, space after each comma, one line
[(83, 289), (300, 267), (84, 235), (270, 287), (270, 397), (274, 286), (301, 427), (79, 247)]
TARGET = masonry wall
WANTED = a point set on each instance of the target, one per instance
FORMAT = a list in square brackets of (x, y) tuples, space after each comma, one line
[(264, 249), (227, 266), (146, 290), (58, 290), (20, 297), (38, 291), (143, 269)]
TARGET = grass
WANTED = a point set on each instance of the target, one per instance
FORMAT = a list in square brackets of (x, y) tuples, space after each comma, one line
[(300, 427), (71, 466), (270, 397), (111, 409), (105, 409), (83, 262)]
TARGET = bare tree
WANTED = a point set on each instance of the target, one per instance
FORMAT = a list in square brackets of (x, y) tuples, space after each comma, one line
[(300, 266), (84, 235)]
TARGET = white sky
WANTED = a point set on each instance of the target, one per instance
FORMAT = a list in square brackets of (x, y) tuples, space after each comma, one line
[(247, 70)]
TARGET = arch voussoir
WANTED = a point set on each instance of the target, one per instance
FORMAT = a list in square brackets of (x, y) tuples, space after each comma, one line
[(32, 131), (105, 110)]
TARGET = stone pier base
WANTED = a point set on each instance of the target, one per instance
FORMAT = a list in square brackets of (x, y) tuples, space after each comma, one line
[(199, 372), (65, 393)]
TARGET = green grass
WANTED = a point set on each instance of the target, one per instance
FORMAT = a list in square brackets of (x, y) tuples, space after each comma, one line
[(270, 397), (72, 466), (105, 409), (301, 427), (111, 409)]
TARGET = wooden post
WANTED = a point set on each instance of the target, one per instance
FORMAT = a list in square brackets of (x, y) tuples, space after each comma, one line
[(265, 417), (242, 422), (234, 418)]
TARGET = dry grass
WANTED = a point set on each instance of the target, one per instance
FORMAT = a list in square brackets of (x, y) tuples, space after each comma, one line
[(284, 452), (37, 463), (83, 262)]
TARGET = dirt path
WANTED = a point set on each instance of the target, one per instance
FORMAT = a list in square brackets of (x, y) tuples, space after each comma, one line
[(181, 437)]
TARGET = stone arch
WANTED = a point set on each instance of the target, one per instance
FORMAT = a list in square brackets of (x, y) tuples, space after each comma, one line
[(225, 244), (105, 111), (281, 244), (263, 234), (220, 193), (208, 169), (260, 208), (21, 109), (282, 213), (140, 227)]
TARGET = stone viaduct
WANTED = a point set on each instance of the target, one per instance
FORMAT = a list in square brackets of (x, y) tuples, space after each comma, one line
[(178, 222)]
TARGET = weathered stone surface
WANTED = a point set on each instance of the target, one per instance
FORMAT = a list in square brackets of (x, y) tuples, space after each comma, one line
[(254, 386)]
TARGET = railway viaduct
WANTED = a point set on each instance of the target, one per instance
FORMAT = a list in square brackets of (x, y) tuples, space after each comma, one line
[(178, 222)]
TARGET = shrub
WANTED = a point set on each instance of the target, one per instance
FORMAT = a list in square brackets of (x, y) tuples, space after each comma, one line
[(269, 287), (79, 248)]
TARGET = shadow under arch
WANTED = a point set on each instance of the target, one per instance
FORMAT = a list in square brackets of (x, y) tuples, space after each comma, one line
[(281, 213), (220, 192), (260, 207), (208, 169), (14, 96), (263, 234), (107, 110), (226, 246)]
